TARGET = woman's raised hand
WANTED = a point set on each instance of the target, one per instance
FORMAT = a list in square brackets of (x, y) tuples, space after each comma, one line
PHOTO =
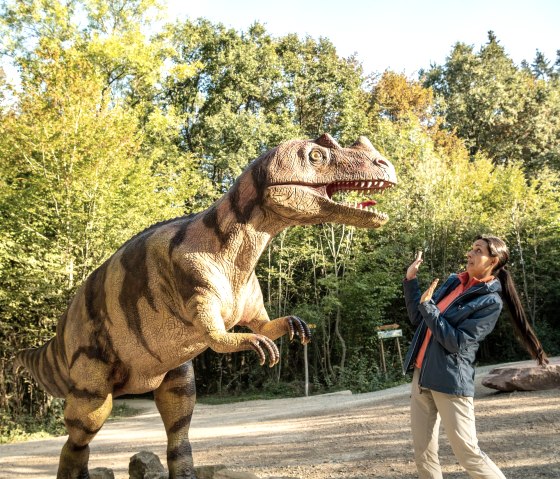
[(413, 268)]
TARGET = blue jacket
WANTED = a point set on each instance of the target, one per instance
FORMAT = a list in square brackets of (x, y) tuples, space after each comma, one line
[(448, 364)]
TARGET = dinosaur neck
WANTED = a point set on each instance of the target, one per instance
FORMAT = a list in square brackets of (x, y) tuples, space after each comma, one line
[(242, 228)]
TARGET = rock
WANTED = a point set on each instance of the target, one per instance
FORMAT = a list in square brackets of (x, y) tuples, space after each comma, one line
[(208, 472), (143, 464), (524, 377), (229, 474), (156, 475), (101, 473)]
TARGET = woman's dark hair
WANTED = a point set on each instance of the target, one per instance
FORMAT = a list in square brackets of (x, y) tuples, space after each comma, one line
[(522, 327)]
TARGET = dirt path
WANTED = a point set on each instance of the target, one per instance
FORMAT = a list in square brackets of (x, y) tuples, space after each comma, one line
[(341, 436)]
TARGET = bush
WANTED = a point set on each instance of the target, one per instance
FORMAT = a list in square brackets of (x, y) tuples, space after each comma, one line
[(25, 427)]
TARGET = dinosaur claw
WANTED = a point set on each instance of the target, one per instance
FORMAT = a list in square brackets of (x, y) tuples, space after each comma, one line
[(268, 344), (257, 347), (303, 330), (291, 331)]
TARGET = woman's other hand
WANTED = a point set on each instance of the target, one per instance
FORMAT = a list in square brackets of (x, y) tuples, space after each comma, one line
[(430, 291), (413, 268)]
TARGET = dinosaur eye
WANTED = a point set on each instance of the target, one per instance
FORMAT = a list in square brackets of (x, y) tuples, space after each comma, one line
[(316, 156)]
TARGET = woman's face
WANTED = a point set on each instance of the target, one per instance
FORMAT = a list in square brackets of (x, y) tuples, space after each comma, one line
[(479, 261)]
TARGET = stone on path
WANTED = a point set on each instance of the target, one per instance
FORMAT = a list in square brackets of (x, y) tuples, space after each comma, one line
[(101, 473), (156, 475), (524, 377), (147, 465), (144, 463)]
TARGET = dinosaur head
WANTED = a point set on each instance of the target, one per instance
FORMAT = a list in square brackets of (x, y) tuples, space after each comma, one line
[(305, 180)]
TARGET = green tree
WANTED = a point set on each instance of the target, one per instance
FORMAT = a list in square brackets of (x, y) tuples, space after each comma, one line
[(224, 85), (509, 113), (323, 91), (78, 178)]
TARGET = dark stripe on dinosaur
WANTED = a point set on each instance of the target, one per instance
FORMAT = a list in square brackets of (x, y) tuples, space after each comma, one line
[(180, 424), (48, 372), (78, 424), (168, 286), (135, 286), (150, 229), (91, 352), (185, 282), (242, 215), (210, 220), (85, 394), (182, 391), (259, 173), (179, 372), (183, 450), (100, 346), (119, 374), (56, 361), (179, 236), (95, 294), (35, 361), (61, 346), (76, 448)]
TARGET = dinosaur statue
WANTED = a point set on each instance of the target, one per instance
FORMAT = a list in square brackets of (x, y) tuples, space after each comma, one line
[(178, 287)]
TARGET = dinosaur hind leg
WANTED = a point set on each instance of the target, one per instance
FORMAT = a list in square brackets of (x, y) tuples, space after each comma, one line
[(175, 400), (84, 414)]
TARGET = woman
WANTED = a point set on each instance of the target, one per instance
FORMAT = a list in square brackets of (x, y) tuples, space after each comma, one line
[(451, 324)]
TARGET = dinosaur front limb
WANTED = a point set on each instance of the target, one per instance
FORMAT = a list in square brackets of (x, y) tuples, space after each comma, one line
[(290, 325), (207, 314), (175, 399), (84, 414), (223, 342)]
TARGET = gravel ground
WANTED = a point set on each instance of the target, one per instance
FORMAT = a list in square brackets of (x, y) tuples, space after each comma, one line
[(342, 436)]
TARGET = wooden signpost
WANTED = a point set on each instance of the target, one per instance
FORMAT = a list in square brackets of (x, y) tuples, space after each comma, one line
[(387, 332)]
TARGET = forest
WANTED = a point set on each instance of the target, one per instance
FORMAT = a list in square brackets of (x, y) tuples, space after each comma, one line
[(113, 126)]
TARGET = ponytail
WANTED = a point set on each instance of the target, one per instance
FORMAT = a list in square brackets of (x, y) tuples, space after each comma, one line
[(522, 327), (518, 317)]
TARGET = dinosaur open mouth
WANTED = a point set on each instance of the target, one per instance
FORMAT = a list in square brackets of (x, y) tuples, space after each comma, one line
[(350, 194)]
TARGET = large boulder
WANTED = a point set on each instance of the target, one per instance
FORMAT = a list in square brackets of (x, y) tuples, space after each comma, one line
[(524, 377)]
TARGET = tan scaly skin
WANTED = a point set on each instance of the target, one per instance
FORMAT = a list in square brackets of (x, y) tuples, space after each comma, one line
[(178, 287)]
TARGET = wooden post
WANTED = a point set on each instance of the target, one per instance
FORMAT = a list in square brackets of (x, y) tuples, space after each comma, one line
[(306, 365), (383, 357), (400, 355)]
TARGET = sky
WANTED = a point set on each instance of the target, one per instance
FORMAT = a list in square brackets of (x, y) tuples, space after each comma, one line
[(400, 35)]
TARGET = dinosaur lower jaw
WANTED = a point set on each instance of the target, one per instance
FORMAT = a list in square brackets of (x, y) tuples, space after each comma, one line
[(314, 203)]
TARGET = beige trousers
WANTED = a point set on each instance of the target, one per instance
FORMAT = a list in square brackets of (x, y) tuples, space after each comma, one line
[(456, 413)]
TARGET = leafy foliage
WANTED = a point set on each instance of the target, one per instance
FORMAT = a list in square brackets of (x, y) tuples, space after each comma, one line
[(510, 113)]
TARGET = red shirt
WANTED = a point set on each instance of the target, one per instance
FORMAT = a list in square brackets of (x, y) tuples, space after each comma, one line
[(444, 303)]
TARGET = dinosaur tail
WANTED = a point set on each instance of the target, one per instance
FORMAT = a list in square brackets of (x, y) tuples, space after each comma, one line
[(44, 364)]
